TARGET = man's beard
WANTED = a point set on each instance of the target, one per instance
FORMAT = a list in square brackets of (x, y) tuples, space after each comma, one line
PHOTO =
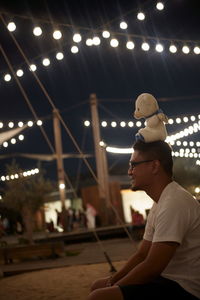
[(134, 187)]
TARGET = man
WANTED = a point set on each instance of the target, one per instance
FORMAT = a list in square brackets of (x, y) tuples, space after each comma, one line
[(167, 263)]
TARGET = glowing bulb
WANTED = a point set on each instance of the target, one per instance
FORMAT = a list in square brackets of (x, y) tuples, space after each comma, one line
[(5, 144), (197, 190), (7, 77), (1, 125), (145, 46), (13, 141), (11, 26), (159, 48), (20, 124), (74, 49), (196, 50), (57, 34), (173, 49), (104, 124), (138, 124), (20, 73), (122, 124), (106, 34), (87, 123), (77, 38), (170, 121), (123, 25), (130, 124), (130, 45), (59, 56), (113, 124), (96, 41), (30, 123), (61, 186), (46, 62), (33, 68), (21, 137), (89, 42), (101, 143), (39, 122), (141, 16), (160, 6), (186, 49), (37, 31), (114, 43), (10, 124)]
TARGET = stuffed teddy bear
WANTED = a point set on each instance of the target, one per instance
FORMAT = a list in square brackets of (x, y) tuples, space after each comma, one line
[(146, 106)]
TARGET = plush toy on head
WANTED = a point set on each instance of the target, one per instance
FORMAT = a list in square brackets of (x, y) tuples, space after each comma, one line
[(146, 106)]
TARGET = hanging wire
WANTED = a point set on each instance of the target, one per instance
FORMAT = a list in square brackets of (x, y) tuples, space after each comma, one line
[(61, 120)]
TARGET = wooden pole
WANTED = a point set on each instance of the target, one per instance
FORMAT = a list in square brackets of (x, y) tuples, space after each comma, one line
[(58, 147), (101, 162)]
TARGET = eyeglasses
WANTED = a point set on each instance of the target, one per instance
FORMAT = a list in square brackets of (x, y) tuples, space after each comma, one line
[(133, 164)]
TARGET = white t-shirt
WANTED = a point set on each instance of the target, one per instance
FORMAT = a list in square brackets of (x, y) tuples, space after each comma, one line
[(176, 218)]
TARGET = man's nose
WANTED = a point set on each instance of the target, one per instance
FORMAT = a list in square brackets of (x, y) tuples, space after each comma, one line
[(130, 171)]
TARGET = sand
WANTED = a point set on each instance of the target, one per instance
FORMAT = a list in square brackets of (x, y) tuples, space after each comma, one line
[(67, 283)]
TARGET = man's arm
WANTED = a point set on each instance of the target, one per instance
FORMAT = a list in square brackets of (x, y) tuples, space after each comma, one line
[(133, 261), (159, 255)]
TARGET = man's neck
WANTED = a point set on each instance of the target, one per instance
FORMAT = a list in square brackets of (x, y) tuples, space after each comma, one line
[(156, 189)]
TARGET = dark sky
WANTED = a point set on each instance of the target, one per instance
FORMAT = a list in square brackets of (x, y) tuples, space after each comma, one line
[(112, 73)]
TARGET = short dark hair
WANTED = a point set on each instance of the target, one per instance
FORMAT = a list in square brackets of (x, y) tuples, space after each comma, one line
[(157, 150)]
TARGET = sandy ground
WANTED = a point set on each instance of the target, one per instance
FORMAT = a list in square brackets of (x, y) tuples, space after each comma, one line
[(67, 283)]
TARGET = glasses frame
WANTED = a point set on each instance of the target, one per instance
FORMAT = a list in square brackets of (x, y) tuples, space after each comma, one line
[(133, 164)]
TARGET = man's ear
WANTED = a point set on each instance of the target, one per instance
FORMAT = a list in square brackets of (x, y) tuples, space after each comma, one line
[(156, 166)]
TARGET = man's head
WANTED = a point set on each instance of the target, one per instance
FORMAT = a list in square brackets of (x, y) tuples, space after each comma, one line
[(150, 161)]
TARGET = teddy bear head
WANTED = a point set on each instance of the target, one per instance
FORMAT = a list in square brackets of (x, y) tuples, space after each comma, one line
[(145, 105)]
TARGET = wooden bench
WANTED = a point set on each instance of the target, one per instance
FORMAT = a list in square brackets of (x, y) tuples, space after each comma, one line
[(10, 254)]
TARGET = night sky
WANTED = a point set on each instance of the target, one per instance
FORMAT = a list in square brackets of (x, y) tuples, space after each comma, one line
[(116, 75)]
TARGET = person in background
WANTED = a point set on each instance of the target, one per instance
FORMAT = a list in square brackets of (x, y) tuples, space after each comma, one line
[(167, 263), (91, 215)]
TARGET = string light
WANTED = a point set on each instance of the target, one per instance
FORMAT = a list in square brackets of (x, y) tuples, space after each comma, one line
[(96, 40), (123, 25), (30, 123), (130, 45), (173, 48), (39, 122), (57, 34), (104, 124), (113, 124), (59, 56), (11, 26), (37, 31), (33, 68), (106, 34), (185, 49), (141, 16), (159, 48), (10, 124), (145, 46), (74, 49), (89, 42), (7, 77), (114, 43), (77, 38), (46, 62), (19, 73), (21, 174), (196, 50), (87, 123), (160, 6)]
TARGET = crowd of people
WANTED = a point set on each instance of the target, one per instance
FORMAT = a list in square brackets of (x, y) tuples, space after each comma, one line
[(70, 219)]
